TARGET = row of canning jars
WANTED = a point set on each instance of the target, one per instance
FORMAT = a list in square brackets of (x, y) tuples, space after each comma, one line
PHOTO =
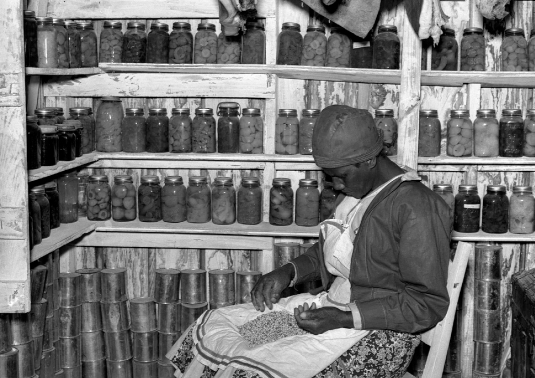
[(486, 137), (498, 213)]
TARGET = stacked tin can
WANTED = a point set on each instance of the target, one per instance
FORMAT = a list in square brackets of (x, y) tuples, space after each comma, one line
[(283, 253), (145, 337), (9, 367), (41, 355), (221, 288), (245, 281), (70, 324), (116, 323), (193, 296), (487, 316)]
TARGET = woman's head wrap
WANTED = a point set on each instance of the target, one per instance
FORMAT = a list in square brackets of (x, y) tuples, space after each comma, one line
[(343, 136)]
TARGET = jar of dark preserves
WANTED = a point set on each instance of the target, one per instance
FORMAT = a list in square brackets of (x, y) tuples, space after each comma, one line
[(203, 131), (287, 132), (98, 198), (150, 199), (30, 39), (108, 125), (75, 44), (384, 120), (529, 133), (511, 133), (307, 203), (514, 50), (531, 51), (83, 177), (39, 195), (429, 133), (338, 48), (290, 44), (444, 55), (180, 130), (314, 46), (306, 127), (47, 53), (181, 44), (123, 199), (52, 195), (35, 216), (68, 197), (486, 134), (228, 128), (88, 43), (361, 55), (62, 42), (66, 142), (460, 133), (157, 130), (135, 43), (46, 116), (198, 200), (228, 48), (88, 128), (158, 43), (251, 131), (467, 209), (281, 202), (49, 146), (446, 192), (174, 200), (60, 114), (34, 138), (386, 48), (473, 50), (78, 132), (327, 201), (495, 210), (111, 43), (205, 44), (134, 131), (254, 43), (223, 201), (521, 210), (250, 201)]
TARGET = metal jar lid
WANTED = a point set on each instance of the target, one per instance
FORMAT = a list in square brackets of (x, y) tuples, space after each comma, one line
[(29, 14), (468, 188), (311, 112), (134, 111), (223, 180), (98, 178), (85, 25), (71, 24), (45, 112), (387, 28), (44, 20), (496, 188), (459, 113), (316, 28), (308, 182), (136, 24), (120, 179), (287, 113), (89, 109), (473, 31), (113, 24), (251, 111), (157, 111), (31, 119), (59, 110), (196, 180), (159, 25), (279, 181), (38, 189), (522, 189), (206, 26), (63, 127), (111, 98), (514, 31), (78, 111), (250, 181), (228, 105), (182, 25), (150, 179), (384, 113), (48, 129), (486, 112), (51, 185), (448, 31), (291, 25), (204, 111), (174, 180), (443, 187), (530, 112), (428, 113), (512, 112), (58, 22), (254, 25), (180, 111)]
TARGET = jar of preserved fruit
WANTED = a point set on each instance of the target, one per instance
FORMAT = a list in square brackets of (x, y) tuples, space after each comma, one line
[(228, 128), (514, 52), (78, 131), (59, 115), (327, 201), (384, 120), (33, 143), (205, 44), (35, 216), (46, 116), (473, 50), (111, 43), (429, 133), (446, 192), (158, 43), (62, 42), (223, 201), (157, 130), (181, 44), (49, 146), (68, 197), (281, 202), (467, 209), (38, 193), (228, 48), (254, 43), (108, 125), (290, 44), (314, 46), (133, 131), (88, 43), (47, 51), (30, 39), (180, 130), (531, 51), (306, 127), (444, 55), (198, 200), (338, 49), (486, 134), (250, 201), (251, 131), (529, 133), (495, 210), (521, 210), (98, 198), (123, 199), (203, 131), (511, 133), (135, 43), (386, 48), (82, 194), (287, 132), (174, 200), (52, 195), (88, 128), (66, 142), (307, 203), (75, 44), (460, 131), (150, 199)]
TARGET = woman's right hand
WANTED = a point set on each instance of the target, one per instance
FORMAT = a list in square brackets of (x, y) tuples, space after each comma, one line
[(269, 287)]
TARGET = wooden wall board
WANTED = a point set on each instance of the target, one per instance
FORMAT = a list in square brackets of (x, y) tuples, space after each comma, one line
[(14, 296)]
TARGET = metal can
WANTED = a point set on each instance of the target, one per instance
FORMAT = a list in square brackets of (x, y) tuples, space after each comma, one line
[(487, 357), (59, 374), (143, 314), (57, 356), (38, 282), (285, 252), (37, 320), (169, 317), (166, 286), (193, 286), (487, 295), (488, 260), (113, 285), (487, 326), (190, 313), (165, 370), (94, 369), (245, 282), (165, 343), (119, 369), (70, 321), (25, 360), (69, 290), (20, 329), (222, 292), (4, 333), (114, 316), (71, 351), (9, 366), (48, 334), (93, 346), (91, 317), (51, 298), (118, 345), (145, 346), (37, 351), (145, 369), (48, 363), (90, 282), (73, 372)]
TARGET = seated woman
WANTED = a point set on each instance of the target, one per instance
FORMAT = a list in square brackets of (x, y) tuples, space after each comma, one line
[(382, 259)]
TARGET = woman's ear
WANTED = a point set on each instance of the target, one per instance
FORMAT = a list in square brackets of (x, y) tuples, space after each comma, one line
[(372, 162)]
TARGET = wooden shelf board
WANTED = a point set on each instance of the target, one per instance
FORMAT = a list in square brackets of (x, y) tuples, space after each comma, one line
[(486, 79), (484, 236), (37, 174), (449, 160), (206, 157), (62, 71)]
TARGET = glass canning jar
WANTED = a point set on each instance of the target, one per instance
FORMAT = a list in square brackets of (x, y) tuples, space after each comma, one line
[(174, 200), (446, 192), (314, 46), (531, 51), (158, 43), (66, 142), (49, 146), (251, 131), (198, 200), (46, 116), (157, 130), (88, 130), (228, 128), (135, 43), (338, 48), (307, 203), (62, 42), (75, 44), (514, 52), (254, 43), (108, 125), (83, 177), (123, 199), (53, 199), (287, 132), (133, 131), (180, 130), (460, 133), (467, 209), (361, 55), (384, 120), (429, 133), (35, 215), (181, 44), (306, 127), (281, 202), (529, 134), (47, 51), (68, 197), (98, 198), (149, 198), (521, 210), (78, 131), (59, 114), (203, 131), (473, 50), (30, 39), (486, 134), (290, 44), (34, 139), (327, 201), (38, 193), (495, 210), (205, 50), (228, 48), (444, 55), (250, 201), (386, 48), (88, 44), (511, 133), (111, 42), (223, 201)]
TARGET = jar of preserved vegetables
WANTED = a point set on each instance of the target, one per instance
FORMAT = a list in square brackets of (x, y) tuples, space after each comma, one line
[(362, 55), (511, 133), (60, 118), (88, 43), (123, 199), (174, 200), (35, 216), (467, 209), (444, 55), (250, 201), (386, 48), (150, 199), (75, 44), (30, 39), (473, 50), (307, 203), (49, 146), (157, 130), (46, 116), (68, 197), (531, 51), (181, 44), (338, 48), (135, 43), (529, 133), (254, 43), (223, 201), (98, 198), (287, 132), (203, 131), (228, 128), (460, 133), (33, 143), (52, 195), (384, 120), (327, 201), (82, 194), (88, 128), (205, 44), (158, 43), (429, 133), (290, 44), (180, 130), (108, 125), (133, 131), (78, 131), (486, 134), (281, 202), (198, 200), (306, 127), (521, 210), (228, 48), (495, 210), (446, 192), (47, 51), (251, 131), (62, 42), (66, 142), (111, 43), (39, 195), (314, 46), (514, 52)]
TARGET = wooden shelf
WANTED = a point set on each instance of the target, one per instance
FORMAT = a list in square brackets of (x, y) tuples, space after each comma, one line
[(484, 236), (486, 79), (62, 71), (472, 160), (37, 174)]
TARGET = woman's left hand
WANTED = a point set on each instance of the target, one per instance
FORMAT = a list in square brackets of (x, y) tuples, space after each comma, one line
[(320, 320)]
